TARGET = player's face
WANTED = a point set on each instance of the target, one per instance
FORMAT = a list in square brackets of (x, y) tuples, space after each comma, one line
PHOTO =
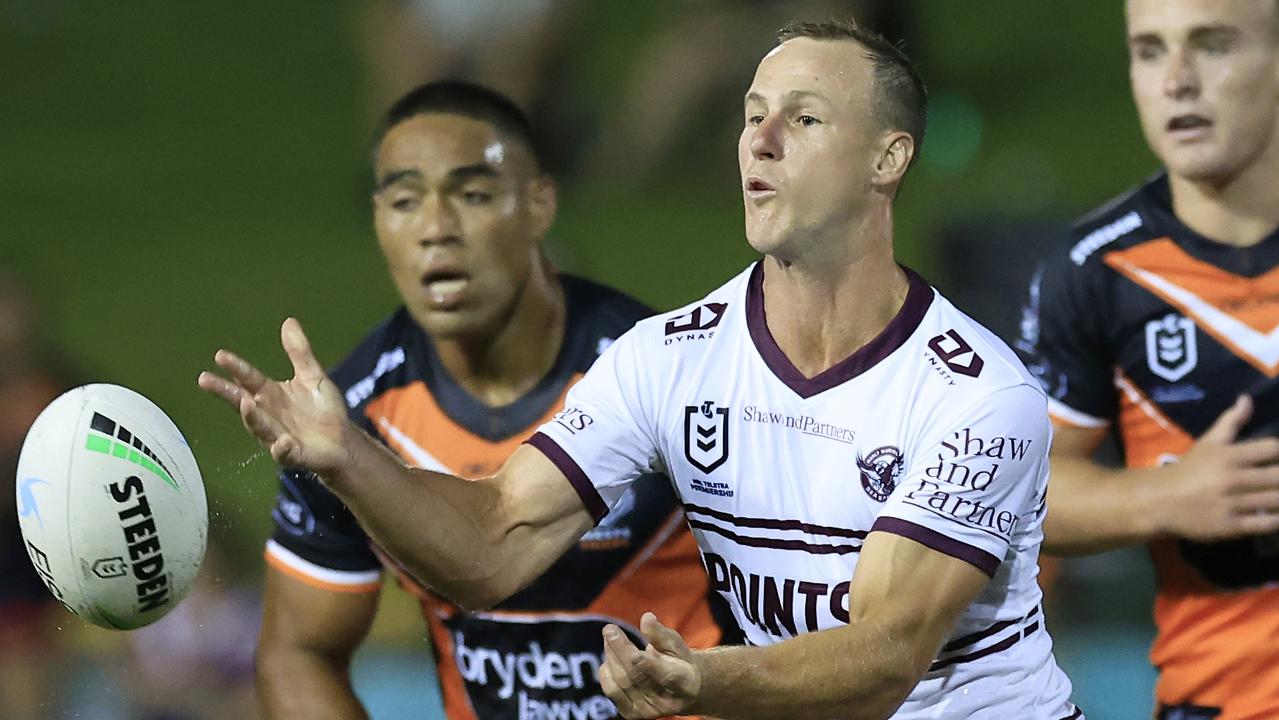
[(808, 143), (1205, 77), (460, 213)]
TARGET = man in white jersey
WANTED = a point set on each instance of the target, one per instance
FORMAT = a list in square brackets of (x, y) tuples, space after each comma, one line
[(863, 465)]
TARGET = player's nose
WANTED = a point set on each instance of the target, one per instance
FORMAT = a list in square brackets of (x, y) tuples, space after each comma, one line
[(766, 141), (1182, 78), (439, 222)]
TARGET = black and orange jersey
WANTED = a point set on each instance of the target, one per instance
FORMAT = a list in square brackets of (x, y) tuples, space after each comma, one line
[(1142, 324), (536, 654)]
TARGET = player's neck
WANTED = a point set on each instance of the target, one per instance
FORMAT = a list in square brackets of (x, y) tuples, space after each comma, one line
[(502, 367), (822, 312), (1241, 212)]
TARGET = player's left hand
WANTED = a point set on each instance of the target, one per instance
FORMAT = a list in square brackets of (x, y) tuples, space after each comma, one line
[(662, 679)]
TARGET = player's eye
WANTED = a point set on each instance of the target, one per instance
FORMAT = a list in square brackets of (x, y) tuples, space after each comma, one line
[(807, 120), (476, 197), (1146, 51), (405, 203), (754, 119), (1216, 46)]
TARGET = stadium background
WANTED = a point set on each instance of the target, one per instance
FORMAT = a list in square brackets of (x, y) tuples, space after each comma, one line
[(175, 177)]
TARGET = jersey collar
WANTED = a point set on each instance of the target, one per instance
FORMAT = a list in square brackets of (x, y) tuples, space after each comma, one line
[(919, 297)]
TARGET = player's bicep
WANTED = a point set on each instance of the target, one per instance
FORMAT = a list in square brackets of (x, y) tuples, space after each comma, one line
[(300, 617), (1075, 441), (913, 592)]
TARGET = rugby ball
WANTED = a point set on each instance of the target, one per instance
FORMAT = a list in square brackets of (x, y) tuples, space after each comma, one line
[(111, 506)]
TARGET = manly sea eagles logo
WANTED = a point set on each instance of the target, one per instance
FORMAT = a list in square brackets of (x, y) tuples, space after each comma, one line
[(706, 435), (1171, 351), (880, 470)]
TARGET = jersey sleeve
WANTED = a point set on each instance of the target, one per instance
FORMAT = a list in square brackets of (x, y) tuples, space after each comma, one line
[(317, 540), (603, 439), (975, 481), (1063, 343)]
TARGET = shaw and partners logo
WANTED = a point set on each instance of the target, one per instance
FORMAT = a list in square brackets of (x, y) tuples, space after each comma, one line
[(806, 424), (880, 470), (706, 435), (697, 324), (966, 468)]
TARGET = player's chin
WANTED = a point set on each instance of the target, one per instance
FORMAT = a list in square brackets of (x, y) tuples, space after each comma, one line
[(1202, 164), (449, 323)]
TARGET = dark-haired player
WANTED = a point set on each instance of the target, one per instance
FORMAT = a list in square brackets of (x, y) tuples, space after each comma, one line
[(862, 464), (488, 342), (1153, 322)]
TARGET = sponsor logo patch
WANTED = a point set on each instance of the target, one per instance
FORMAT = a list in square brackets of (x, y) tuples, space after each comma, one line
[(957, 354), (532, 670), (697, 324), (806, 424)]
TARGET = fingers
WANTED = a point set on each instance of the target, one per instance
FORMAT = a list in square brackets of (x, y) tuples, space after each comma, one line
[(663, 638), (221, 387), (1257, 523), (1258, 502), (613, 692), (258, 422), (619, 656), (244, 374), (305, 367), (1227, 425), (1248, 480), (1261, 451)]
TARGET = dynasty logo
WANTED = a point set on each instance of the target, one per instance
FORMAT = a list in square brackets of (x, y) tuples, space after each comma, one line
[(697, 324)]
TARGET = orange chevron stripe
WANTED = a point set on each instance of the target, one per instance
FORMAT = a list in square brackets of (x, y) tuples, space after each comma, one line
[(1253, 302)]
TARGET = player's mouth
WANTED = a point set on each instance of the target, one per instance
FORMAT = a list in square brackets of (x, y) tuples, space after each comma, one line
[(1189, 127), (445, 288), (758, 189)]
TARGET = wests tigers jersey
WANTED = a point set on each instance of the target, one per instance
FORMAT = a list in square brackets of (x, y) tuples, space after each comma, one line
[(536, 654), (1142, 323), (933, 431)]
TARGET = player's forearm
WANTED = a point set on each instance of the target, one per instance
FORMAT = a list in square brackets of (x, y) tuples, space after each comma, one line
[(444, 530), (1092, 508), (294, 683), (859, 671)]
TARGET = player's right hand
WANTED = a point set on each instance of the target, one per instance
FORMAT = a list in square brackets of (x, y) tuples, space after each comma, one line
[(1223, 487), (302, 421)]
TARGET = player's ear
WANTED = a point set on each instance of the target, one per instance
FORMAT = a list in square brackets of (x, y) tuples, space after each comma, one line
[(896, 149), (543, 202)]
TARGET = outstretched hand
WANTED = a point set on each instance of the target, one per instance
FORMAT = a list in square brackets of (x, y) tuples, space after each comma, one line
[(302, 421), (660, 680)]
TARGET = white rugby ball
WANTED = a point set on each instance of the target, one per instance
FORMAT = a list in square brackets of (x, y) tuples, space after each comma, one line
[(112, 506)]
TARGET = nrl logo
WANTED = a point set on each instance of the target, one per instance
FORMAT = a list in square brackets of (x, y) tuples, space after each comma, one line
[(1171, 351), (706, 435), (880, 470)]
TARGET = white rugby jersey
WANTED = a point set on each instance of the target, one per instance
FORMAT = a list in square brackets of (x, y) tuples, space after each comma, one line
[(933, 431)]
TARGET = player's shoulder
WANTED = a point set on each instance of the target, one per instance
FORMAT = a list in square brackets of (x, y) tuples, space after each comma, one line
[(1130, 218), (379, 352), (971, 359), (601, 308), (694, 326)]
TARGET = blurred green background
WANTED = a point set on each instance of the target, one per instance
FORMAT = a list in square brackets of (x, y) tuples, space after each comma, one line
[(177, 177)]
